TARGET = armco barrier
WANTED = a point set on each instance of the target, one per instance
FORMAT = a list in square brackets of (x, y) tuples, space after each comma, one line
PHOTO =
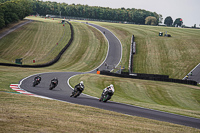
[(155, 77), (53, 61), (146, 75), (132, 52)]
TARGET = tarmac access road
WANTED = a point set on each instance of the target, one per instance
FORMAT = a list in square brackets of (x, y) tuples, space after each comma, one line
[(195, 76), (14, 28), (63, 90)]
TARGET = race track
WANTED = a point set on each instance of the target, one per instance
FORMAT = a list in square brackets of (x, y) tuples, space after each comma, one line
[(63, 90)]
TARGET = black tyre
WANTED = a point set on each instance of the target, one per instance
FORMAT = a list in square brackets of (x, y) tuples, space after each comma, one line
[(34, 84), (77, 94), (106, 98), (51, 86)]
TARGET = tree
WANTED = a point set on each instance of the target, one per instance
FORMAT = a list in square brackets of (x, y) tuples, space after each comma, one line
[(12, 11), (160, 18), (178, 22), (168, 21), (150, 20)]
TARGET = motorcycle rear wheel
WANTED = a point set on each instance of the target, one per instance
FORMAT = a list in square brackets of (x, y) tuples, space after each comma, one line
[(51, 86), (106, 98), (77, 94)]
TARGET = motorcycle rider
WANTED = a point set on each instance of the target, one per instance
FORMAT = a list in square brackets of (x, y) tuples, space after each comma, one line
[(37, 77), (79, 86), (54, 81), (36, 80), (110, 87)]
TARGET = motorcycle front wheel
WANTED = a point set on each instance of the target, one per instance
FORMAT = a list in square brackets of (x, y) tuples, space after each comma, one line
[(77, 94), (51, 86)]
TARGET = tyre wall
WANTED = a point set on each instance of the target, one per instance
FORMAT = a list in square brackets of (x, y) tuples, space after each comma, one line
[(154, 77)]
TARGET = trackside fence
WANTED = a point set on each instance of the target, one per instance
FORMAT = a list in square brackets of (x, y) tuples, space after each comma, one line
[(154, 77), (132, 52)]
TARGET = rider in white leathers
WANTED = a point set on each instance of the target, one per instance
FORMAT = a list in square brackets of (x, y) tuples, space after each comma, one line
[(111, 87)]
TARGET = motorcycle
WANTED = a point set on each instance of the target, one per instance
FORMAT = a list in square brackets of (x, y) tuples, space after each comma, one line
[(36, 82), (77, 92), (106, 95), (53, 84)]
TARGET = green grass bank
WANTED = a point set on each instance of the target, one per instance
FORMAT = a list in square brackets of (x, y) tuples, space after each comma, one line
[(20, 113)]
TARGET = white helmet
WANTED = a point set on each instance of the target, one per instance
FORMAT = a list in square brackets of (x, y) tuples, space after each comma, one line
[(111, 85), (81, 82)]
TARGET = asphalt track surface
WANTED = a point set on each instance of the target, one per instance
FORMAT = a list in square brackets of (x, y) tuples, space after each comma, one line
[(63, 90), (195, 74)]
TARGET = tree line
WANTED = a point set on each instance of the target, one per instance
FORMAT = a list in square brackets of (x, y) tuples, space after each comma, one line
[(133, 15), (169, 21), (13, 11)]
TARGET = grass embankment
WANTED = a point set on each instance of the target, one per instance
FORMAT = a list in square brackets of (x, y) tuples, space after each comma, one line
[(46, 38), (28, 114), (20, 113), (168, 97), (86, 52), (175, 56)]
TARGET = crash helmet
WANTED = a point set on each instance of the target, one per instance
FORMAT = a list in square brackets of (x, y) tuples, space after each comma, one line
[(81, 82), (111, 85)]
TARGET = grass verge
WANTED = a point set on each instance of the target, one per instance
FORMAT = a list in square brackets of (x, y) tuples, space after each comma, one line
[(20, 113), (163, 96)]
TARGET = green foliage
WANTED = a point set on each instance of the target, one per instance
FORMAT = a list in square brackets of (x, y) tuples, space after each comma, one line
[(2, 21), (121, 14), (2, 1), (168, 21), (150, 20), (19, 9), (178, 22), (12, 11)]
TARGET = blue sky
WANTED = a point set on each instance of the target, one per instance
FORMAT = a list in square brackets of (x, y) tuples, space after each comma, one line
[(188, 10)]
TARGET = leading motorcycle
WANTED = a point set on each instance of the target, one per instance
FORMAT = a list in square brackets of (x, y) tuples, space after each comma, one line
[(36, 82), (106, 95)]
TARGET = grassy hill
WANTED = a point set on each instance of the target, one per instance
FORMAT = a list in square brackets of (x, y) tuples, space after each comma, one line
[(40, 41), (174, 56), (20, 113)]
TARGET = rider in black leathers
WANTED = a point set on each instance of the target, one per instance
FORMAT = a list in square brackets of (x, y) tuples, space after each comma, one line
[(78, 87), (54, 81), (37, 77), (37, 80)]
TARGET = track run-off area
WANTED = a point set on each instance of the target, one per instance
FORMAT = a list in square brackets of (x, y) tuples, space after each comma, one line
[(63, 90)]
